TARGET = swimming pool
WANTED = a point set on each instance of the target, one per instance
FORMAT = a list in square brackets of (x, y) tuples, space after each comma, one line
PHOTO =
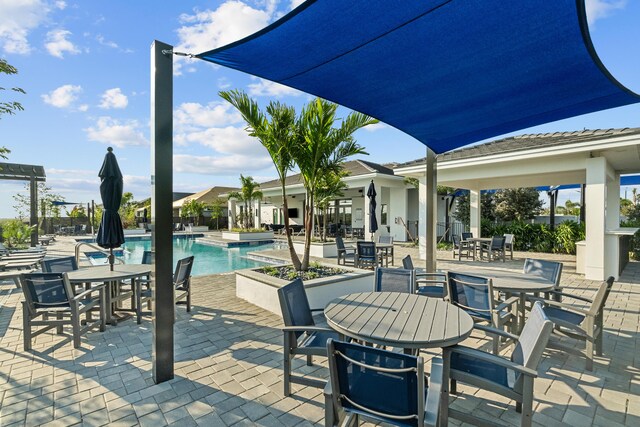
[(209, 259)]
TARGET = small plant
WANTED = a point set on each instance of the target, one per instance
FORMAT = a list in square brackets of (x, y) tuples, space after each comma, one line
[(312, 275), (247, 230), (292, 275), (271, 271), (315, 264), (445, 246), (16, 234)]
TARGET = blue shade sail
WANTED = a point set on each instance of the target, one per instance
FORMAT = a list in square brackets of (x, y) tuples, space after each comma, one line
[(448, 73)]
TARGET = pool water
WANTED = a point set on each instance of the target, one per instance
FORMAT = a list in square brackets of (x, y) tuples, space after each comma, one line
[(208, 259)]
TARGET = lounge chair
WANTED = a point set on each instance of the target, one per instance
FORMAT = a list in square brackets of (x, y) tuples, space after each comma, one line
[(579, 323), (301, 335), (345, 254), (383, 386), (50, 302), (475, 295), (512, 378), (394, 280), (428, 284)]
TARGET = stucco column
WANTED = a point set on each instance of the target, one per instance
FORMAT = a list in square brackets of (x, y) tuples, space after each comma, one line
[(398, 210), (612, 222), (231, 205), (475, 212), (428, 210), (596, 199)]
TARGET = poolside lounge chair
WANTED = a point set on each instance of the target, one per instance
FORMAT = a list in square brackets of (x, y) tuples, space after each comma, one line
[(512, 378), (475, 295), (7, 251), (394, 280), (428, 284), (383, 386), (580, 323), (345, 254), (301, 335), (50, 302)]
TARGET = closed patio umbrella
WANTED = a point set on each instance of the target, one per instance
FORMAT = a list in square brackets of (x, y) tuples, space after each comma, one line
[(373, 221), (110, 234)]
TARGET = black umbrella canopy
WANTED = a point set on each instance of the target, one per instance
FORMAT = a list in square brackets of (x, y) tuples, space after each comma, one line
[(110, 234), (373, 221)]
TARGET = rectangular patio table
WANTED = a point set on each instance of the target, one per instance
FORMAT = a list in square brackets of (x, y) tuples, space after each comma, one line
[(102, 273), (400, 320), (477, 242)]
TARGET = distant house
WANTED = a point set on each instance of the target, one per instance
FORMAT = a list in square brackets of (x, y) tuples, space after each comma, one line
[(207, 197)]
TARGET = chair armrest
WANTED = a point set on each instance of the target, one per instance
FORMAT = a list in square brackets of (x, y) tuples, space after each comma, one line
[(89, 291), (432, 405), (576, 297), (316, 309), (491, 358), (495, 331), (561, 305), (507, 303), (306, 329)]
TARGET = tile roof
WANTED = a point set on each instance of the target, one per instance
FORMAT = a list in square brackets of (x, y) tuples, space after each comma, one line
[(353, 167), (206, 196), (527, 142)]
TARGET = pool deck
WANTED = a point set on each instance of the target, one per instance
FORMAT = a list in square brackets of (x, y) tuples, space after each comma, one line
[(229, 364)]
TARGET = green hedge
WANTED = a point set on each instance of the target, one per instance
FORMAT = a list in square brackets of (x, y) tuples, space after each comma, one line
[(634, 244), (539, 237)]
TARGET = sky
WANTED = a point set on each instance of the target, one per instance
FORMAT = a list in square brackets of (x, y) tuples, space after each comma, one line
[(85, 67)]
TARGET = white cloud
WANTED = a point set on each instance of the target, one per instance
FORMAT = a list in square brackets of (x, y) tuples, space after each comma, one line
[(57, 43), (231, 21), (227, 140), (114, 98), (598, 9), (295, 3), (268, 88), (60, 4), (375, 127), (191, 115), (17, 19), (62, 97), (119, 133), (219, 165), (100, 38)]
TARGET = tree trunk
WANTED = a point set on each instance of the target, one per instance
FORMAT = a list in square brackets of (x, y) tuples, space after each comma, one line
[(295, 260), (308, 227)]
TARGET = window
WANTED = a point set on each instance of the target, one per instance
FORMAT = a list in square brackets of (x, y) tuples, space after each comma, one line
[(383, 214)]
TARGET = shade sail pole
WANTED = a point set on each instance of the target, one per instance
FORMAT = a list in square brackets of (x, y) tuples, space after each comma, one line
[(33, 211), (431, 210), (161, 209)]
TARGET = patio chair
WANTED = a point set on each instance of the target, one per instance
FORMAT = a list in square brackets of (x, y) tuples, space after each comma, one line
[(508, 244), (466, 235), (301, 335), (512, 378), (143, 293), (475, 295), (462, 248), (394, 280), (427, 284), (388, 240), (366, 255), (50, 302), (60, 265), (493, 249), (345, 254), (383, 386), (182, 282), (549, 270), (579, 323)]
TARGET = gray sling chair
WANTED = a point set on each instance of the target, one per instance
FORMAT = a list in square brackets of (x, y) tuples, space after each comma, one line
[(301, 335), (493, 249), (383, 386), (579, 323), (143, 289), (367, 255), (512, 378), (462, 248), (549, 270), (394, 280), (508, 244), (49, 301), (475, 295), (345, 254), (432, 285)]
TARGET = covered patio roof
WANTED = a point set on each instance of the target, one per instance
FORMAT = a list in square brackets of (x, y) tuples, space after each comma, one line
[(446, 72)]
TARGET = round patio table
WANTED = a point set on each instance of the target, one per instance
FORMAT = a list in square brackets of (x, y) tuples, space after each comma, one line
[(400, 320), (102, 273)]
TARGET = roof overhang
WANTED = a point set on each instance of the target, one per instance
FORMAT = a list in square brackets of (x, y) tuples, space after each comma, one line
[(19, 172)]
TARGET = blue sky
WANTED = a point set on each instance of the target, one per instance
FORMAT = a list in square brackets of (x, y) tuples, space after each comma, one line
[(85, 67)]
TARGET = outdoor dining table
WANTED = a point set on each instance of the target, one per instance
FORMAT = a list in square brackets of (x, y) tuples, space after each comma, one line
[(511, 282), (102, 273), (382, 249), (399, 320), (477, 243)]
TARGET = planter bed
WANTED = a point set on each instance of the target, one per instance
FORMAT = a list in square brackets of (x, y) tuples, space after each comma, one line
[(247, 236), (318, 249)]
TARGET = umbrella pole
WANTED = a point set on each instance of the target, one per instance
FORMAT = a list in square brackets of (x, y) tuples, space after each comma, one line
[(111, 260)]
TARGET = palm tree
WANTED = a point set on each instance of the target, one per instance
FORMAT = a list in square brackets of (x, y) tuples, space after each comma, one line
[(247, 194), (275, 133), (321, 149)]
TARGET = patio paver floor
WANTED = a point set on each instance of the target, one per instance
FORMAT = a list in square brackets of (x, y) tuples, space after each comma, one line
[(229, 363)]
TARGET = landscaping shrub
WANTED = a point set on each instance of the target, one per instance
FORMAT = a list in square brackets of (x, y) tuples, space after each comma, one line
[(538, 237)]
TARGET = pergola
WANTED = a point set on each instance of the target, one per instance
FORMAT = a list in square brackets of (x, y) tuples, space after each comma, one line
[(33, 174), (446, 72)]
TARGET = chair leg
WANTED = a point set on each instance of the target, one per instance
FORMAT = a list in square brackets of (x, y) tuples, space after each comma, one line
[(138, 303), (527, 401), (287, 364), (309, 360), (189, 298), (59, 328), (589, 354), (103, 309), (75, 324), (26, 326)]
